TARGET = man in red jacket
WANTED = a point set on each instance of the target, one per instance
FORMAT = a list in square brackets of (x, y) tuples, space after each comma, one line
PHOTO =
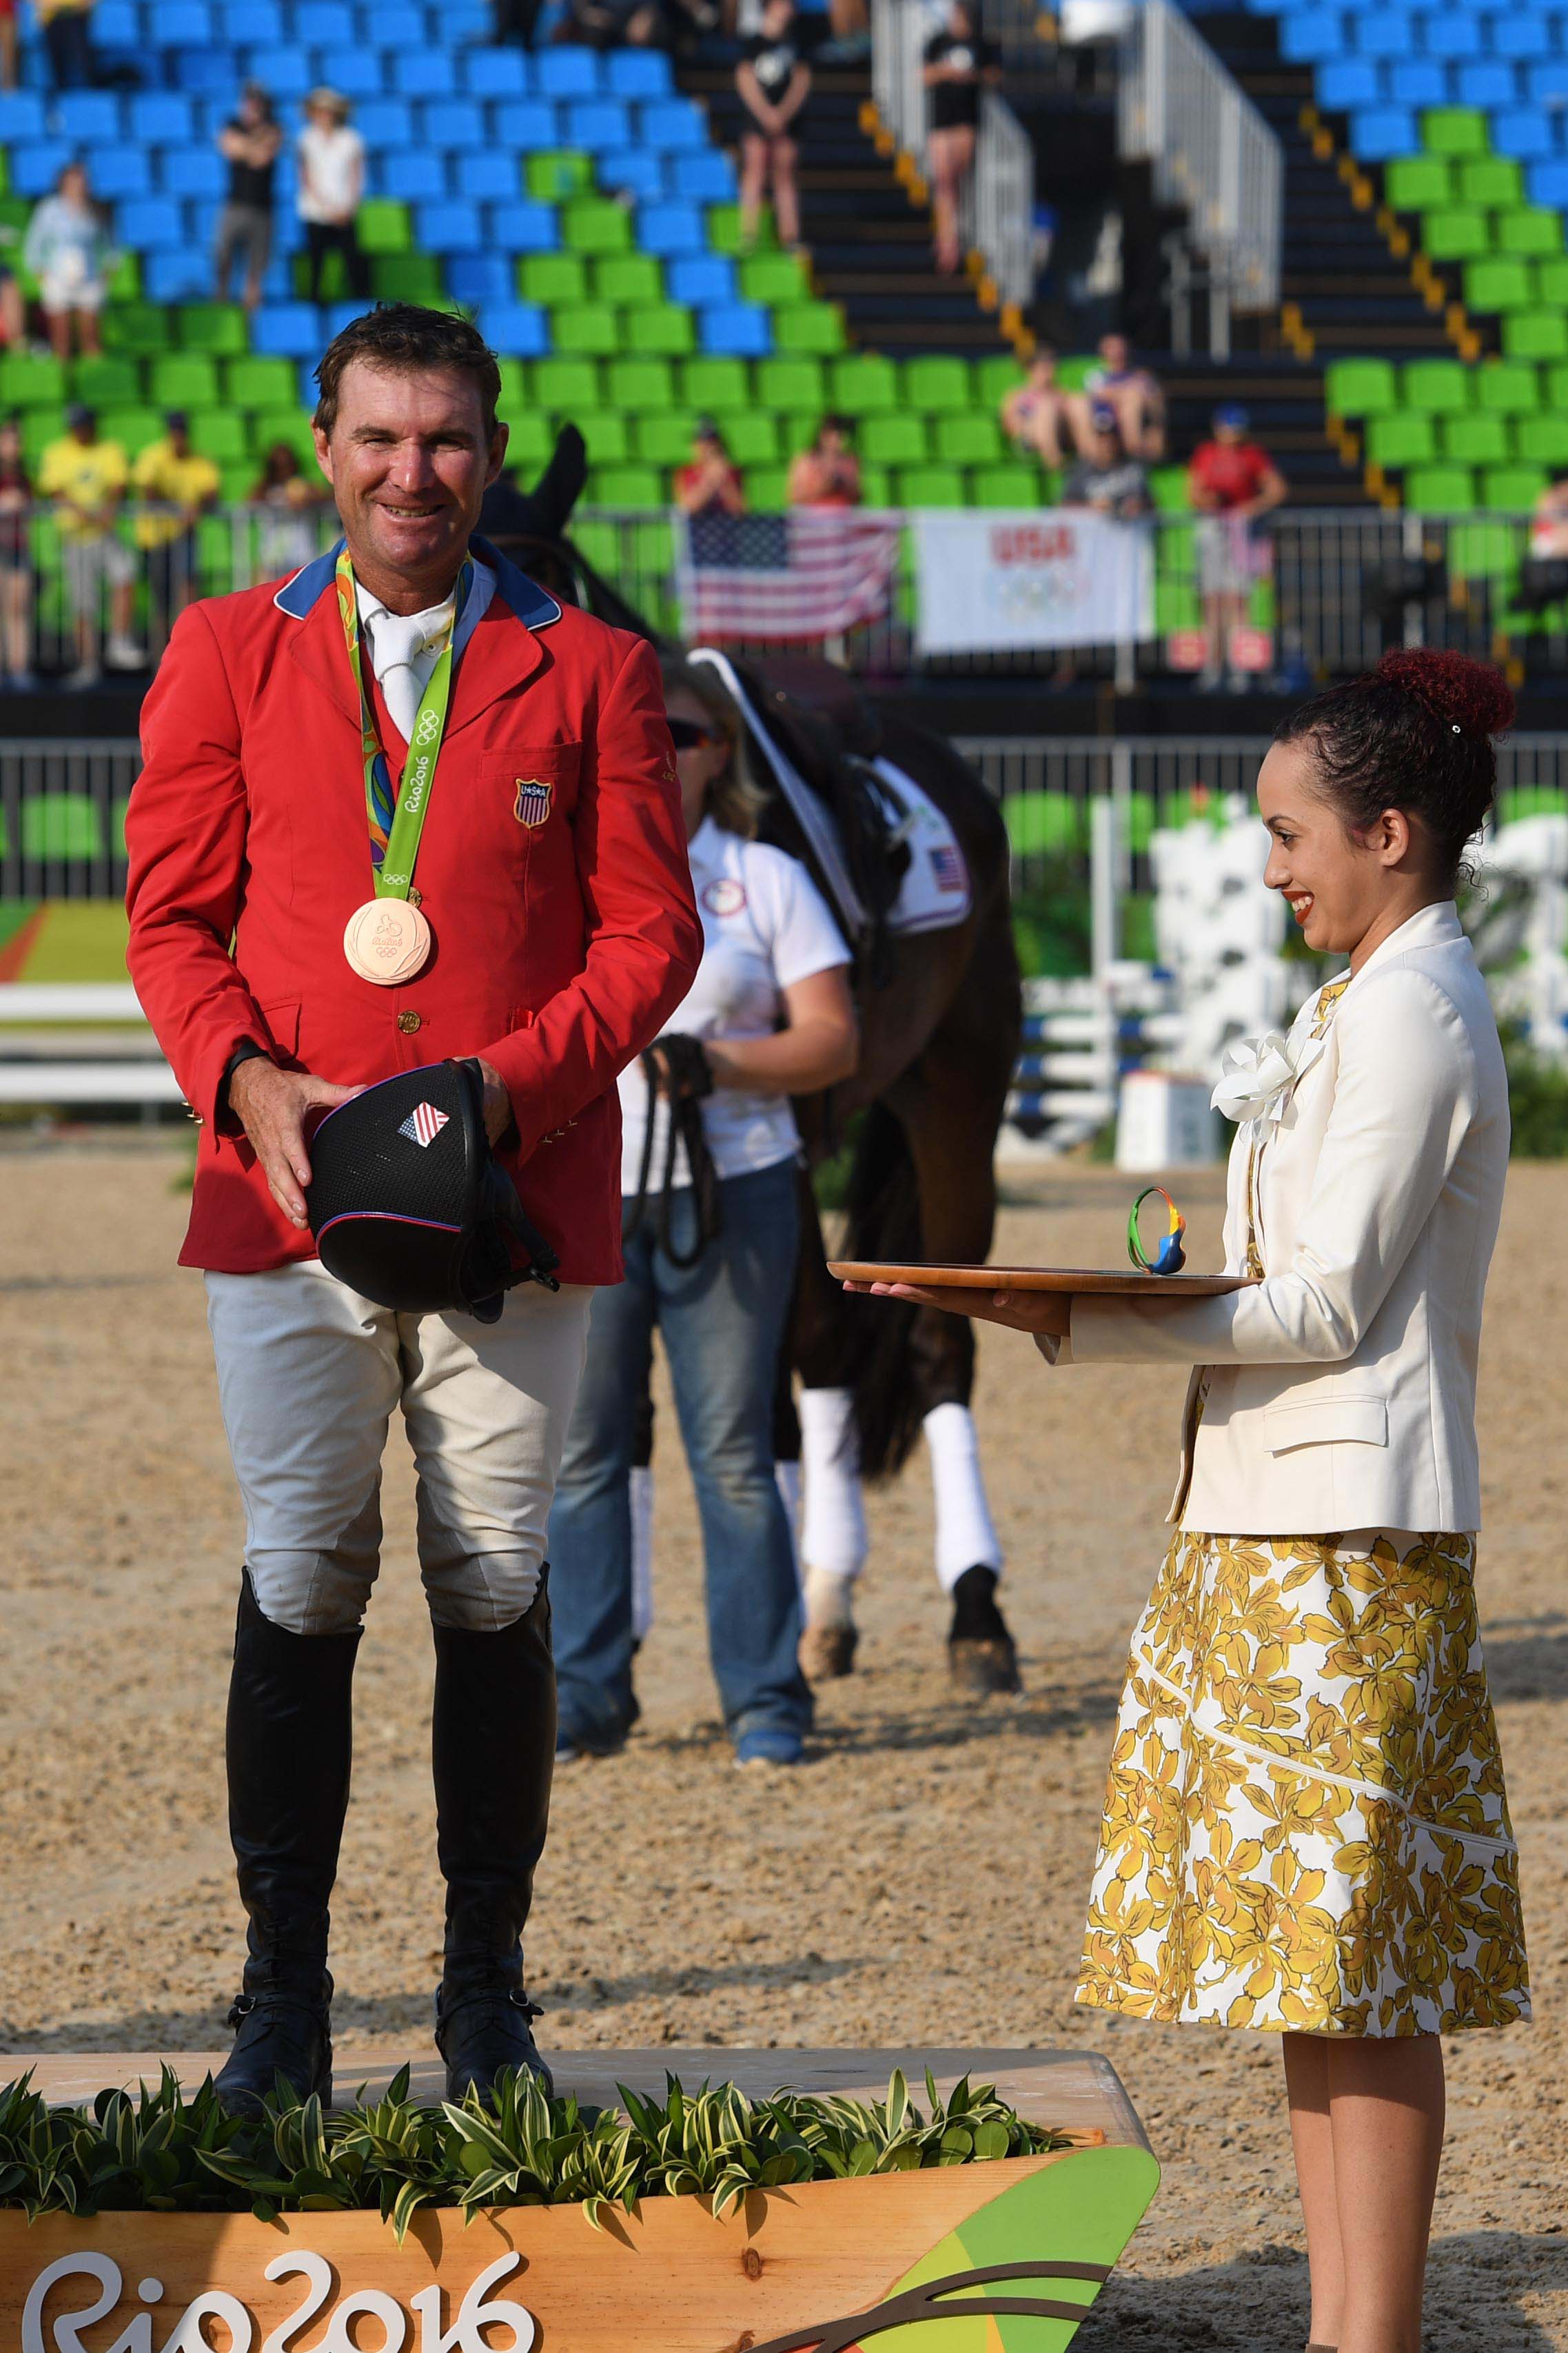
[(314, 907)]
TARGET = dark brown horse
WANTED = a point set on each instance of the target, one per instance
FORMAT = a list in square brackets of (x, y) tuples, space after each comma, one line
[(940, 1021)]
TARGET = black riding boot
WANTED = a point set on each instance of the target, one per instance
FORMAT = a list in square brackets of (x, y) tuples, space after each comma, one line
[(290, 1715), (493, 1749)]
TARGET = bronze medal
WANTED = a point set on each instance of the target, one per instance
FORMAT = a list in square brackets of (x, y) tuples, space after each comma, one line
[(387, 941)]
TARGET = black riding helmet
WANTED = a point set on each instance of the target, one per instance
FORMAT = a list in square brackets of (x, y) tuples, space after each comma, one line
[(409, 1205)]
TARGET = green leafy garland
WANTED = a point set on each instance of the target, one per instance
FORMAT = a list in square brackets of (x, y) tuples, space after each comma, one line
[(158, 2151)]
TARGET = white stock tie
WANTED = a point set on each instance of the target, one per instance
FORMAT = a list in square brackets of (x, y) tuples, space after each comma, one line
[(404, 650)]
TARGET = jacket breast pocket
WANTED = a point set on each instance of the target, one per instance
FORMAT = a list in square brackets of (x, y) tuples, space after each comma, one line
[(1325, 1421), (529, 788)]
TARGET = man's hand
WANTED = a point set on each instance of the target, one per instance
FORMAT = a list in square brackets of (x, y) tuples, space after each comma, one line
[(1050, 1311), (270, 1104), (497, 1108)]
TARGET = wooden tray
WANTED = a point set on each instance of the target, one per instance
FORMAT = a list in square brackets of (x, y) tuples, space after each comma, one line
[(1080, 1280)]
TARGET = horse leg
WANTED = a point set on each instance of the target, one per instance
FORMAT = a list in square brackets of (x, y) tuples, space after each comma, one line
[(833, 1543)]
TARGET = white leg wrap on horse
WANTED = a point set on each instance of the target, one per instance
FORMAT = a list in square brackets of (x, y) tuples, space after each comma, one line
[(965, 1536), (829, 1600), (642, 1550), (833, 1526), (786, 1478)]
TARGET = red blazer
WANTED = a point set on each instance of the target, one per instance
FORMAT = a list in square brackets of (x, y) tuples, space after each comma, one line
[(564, 928)]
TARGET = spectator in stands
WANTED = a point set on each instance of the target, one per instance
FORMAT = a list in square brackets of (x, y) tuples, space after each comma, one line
[(68, 252), (958, 62), (1233, 483), (828, 473), (7, 43), (250, 144), (1549, 522), (331, 181), (1136, 395), (611, 24), (774, 82), (179, 486), (15, 560), (291, 501), (87, 480), (710, 483), (1107, 477), (12, 310), (516, 20), (1039, 417), (67, 37)]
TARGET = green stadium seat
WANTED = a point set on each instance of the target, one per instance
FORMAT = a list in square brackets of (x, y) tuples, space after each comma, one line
[(31, 380), (1478, 439), (930, 486), (604, 431), (1535, 335), (1531, 230), (876, 487), (972, 440), (1043, 824), (64, 826), (796, 385), (405, 277), (111, 381), (133, 429), (382, 226), (1508, 388), (1483, 550), (1440, 490), (1405, 438), (1551, 280), (752, 436), (531, 440), (552, 278), (1170, 490), (1503, 282), (1359, 388), (1457, 130), (895, 440), (563, 385), (1417, 184), (219, 434), (1555, 388), (39, 427), (663, 436), (594, 224), (1073, 374), (1457, 234), (218, 328), (554, 173), (1542, 440), (724, 230), (767, 488), (644, 386), (1007, 486), (864, 385), (1438, 388), (289, 425), (774, 278), (514, 386), (183, 380), (659, 330), (258, 383), (628, 278), (809, 327), (719, 385), (1494, 181), (591, 327), (627, 486), (1512, 490), (940, 386), (996, 376), (136, 327)]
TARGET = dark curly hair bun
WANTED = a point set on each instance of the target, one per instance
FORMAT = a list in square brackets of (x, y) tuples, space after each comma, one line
[(1416, 734)]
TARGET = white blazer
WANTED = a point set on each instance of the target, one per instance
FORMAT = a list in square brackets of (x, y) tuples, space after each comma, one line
[(1340, 1392)]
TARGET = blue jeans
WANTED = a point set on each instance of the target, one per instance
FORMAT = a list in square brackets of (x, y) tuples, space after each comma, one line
[(722, 1321)]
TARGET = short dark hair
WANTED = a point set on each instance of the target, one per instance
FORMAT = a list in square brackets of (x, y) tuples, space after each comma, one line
[(1416, 734), (405, 338)]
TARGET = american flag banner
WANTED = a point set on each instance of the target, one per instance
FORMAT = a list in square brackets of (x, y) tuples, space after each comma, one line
[(423, 1124), (812, 573)]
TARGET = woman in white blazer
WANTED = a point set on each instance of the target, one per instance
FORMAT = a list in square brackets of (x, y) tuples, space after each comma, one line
[(1306, 1827)]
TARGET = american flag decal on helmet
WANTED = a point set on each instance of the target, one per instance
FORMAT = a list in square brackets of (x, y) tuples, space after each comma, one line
[(423, 1124), (533, 801)]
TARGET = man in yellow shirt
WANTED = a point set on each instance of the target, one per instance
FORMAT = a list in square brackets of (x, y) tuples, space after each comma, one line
[(179, 485), (87, 479)]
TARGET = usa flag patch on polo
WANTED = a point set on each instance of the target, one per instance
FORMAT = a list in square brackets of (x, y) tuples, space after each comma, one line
[(423, 1124), (533, 801)]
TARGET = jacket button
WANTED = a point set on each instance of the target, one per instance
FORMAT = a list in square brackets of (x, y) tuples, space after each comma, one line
[(408, 1021)]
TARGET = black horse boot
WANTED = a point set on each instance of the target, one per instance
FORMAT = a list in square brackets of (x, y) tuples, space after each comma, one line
[(493, 1749), (981, 1658), (290, 1715)]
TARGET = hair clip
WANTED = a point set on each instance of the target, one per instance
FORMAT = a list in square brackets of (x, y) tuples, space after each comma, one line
[(1455, 727), (1170, 1258)]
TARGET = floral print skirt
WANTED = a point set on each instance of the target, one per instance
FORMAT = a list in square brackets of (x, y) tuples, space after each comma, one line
[(1306, 1825)]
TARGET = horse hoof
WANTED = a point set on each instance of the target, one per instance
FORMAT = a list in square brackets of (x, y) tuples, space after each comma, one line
[(980, 1654), (827, 1652)]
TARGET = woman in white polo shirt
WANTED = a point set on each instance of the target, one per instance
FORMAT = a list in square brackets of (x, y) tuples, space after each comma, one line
[(710, 1222)]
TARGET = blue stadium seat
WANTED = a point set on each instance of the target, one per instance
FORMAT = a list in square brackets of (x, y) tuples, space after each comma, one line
[(253, 23), (181, 275), (427, 74), (1523, 35), (596, 125), (698, 279), (162, 118), (567, 73), (323, 24), (1453, 34), (452, 122), (38, 165), (181, 25), (736, 331), (286, 72), (414, 174), (115, 26), (1547, 184), (674, 125), (516, 330), (87, 115), (192, 172), (496, 73), (149, 223), (120, 171), (523, 228), (385, 122), (1414, 81), (478, 279), (634, 171), (671, 229), (339, 315), (358, 73), (708, 179), (211, 70), (491, 176), (289, 331), (1384, 33), (398, 28), (1309, 38), (1547, 81), (449, 228), (636, 73), (524, 122), (1347, 82), (1486, 82), (1524, 132), (1379, 132), (21, 116)]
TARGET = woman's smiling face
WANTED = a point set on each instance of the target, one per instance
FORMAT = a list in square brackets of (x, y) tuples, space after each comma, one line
[(1338, 883)]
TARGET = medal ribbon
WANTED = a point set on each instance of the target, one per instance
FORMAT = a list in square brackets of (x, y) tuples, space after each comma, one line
[(1170, 1257), (396, 819)]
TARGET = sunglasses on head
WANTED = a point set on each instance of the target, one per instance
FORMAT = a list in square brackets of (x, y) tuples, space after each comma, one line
[(687, 733)]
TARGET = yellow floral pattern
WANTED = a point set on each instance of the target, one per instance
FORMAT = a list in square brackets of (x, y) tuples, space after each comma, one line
[(1306, 1825)]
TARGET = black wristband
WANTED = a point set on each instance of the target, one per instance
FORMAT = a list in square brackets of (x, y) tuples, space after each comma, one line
[(246, 1051)]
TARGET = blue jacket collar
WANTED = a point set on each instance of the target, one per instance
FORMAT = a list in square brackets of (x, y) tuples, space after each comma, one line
[(530, 604)]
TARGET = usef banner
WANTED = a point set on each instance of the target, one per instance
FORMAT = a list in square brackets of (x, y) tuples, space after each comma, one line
[(990, 582)]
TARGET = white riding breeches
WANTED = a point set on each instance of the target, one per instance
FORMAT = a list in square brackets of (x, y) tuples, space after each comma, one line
[(309, 1372)]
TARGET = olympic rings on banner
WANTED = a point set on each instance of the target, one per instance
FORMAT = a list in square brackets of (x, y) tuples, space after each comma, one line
[(1170, 1258)]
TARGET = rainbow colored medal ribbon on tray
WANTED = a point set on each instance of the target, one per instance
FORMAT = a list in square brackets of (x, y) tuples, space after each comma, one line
[(1170, 1257)]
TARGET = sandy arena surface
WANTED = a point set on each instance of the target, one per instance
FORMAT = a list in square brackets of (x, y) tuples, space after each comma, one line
[(921, 1879)]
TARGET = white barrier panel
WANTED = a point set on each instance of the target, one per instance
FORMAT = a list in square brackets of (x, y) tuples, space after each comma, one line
[(1164, 1122), (88, 1082), (69, 1001), (1016, 581)]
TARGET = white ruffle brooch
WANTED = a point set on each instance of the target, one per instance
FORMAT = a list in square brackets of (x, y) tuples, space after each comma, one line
[(1256, 1076)]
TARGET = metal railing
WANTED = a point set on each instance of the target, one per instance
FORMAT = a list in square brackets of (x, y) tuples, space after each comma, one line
[(998, 204), (1212, 152)]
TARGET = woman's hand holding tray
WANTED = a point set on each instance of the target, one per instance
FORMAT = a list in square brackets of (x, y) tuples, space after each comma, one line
[(1119, 1282)]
